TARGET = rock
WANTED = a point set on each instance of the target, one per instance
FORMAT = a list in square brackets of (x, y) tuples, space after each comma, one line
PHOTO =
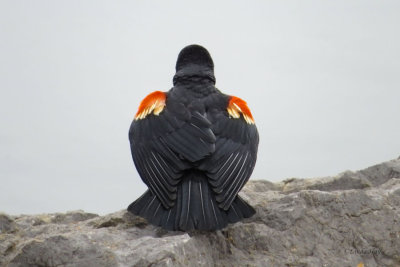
[(352, 219), (7, 224)]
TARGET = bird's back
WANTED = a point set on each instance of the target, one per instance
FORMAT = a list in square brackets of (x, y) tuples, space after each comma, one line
[(195, 148)]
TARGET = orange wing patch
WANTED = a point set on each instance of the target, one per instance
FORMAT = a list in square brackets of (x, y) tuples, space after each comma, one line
[(153, 103), (238, 106)]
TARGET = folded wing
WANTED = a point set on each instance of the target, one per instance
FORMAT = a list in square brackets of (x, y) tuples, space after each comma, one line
[(166, 139), (233, 161)]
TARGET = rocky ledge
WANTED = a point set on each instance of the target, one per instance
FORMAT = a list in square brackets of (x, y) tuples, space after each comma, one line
[(352, 219)]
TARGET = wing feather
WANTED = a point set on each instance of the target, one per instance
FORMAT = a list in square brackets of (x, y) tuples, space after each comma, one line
[(233, 161), (166, 138)]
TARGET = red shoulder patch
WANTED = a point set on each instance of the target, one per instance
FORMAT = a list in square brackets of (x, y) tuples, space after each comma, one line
[(238, 106), (153, 103)]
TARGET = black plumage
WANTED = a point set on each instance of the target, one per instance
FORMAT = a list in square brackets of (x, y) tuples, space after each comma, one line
[(195, 148)]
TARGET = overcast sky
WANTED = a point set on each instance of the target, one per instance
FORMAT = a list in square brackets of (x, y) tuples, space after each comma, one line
[(322, 79)]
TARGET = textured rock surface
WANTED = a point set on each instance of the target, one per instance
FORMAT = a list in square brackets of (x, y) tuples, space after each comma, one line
[(344, 220)]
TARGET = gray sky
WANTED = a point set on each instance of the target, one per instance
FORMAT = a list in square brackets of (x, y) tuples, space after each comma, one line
[(322, 79)]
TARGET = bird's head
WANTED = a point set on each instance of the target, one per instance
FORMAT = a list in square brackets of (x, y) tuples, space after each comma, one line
[(194, 55), (194, 60)]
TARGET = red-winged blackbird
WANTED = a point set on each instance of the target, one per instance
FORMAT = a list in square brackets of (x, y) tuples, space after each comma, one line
[(195, 148)]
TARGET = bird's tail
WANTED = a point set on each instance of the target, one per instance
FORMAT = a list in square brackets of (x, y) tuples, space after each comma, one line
[(195, 207)]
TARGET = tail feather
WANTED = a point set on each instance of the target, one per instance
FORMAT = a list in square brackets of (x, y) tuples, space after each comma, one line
[(240, 209), (195, 207)]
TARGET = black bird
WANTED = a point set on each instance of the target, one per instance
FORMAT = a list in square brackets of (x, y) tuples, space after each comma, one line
[(195, 148)]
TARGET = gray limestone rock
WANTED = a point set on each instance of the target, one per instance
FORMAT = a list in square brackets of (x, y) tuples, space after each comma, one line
[(344, 220)]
